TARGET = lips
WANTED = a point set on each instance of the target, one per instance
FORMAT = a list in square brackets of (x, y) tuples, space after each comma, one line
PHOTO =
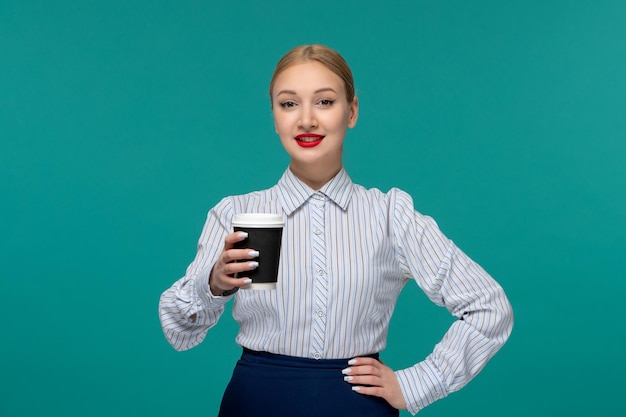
[(309, 140)]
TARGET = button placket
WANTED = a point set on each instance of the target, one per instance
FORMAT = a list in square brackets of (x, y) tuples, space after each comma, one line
[(320, 281)]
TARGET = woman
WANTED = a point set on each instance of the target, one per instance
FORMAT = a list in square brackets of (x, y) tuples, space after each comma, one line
[(311, 346)]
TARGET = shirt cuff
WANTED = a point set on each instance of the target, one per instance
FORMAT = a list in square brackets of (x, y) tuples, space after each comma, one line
[(421, 385)]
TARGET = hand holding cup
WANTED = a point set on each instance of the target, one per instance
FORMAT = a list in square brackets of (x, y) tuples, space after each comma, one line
[(229, 272), (265, 231)]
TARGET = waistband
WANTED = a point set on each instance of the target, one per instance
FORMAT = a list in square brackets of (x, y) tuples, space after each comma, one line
[(266, 358)]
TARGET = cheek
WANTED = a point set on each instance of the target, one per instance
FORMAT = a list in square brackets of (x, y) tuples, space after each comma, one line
[(278, 125), (282, 123), (339, 122)]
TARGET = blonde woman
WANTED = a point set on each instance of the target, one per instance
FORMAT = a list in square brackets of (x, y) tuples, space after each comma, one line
[(311, 346)]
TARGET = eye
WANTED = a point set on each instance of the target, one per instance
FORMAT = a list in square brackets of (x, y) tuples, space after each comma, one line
[(288, 104), (326, 102)]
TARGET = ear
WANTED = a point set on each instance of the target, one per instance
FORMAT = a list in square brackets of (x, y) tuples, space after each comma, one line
[(274, 121), (354, 112)]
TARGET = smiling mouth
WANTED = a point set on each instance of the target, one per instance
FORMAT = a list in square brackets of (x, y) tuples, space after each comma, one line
[(308, 140)]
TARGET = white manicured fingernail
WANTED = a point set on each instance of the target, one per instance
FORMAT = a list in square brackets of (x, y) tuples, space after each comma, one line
[(346, 371), (243, 235), (247, 281), (253, 264), (348, 378), (352, 362), (253, 253), (356, 388)]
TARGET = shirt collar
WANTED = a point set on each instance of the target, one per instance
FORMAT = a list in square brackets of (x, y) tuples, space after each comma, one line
[(293, 192)]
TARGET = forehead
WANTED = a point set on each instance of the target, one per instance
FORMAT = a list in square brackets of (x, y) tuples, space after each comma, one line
[(305, 76)]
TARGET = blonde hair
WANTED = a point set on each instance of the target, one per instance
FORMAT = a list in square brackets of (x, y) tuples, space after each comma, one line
[(322, 54)]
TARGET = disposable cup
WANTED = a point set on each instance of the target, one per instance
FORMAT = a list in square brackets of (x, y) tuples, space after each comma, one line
[(265, 231)]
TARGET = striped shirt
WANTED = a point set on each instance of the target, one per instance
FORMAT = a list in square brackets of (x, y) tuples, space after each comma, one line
[(346, 254)]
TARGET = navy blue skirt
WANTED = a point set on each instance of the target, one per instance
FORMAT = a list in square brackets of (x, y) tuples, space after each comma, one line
[(268, 385)]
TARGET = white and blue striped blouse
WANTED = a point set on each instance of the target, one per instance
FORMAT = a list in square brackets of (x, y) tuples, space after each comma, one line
[(346, 254)]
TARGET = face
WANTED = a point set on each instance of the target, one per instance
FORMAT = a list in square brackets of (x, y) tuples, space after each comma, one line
[(311, 116)]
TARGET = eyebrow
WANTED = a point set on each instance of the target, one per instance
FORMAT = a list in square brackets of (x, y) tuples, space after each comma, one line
[(320, 90)]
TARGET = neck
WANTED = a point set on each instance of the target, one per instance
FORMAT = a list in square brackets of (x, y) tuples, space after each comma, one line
[(315, 177)]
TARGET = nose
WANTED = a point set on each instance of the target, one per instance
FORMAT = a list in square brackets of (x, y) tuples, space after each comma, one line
[(308, 120)]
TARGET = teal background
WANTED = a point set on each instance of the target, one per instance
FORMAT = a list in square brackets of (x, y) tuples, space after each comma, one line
[(123, 122)]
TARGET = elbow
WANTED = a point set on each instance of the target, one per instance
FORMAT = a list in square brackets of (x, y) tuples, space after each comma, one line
[(504, 319), (510, 319), (493, 318)]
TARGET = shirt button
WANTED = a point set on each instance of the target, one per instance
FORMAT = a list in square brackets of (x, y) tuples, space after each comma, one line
[(199, 301), (320, 272), (318, 232), (320, 313), (317, 355)]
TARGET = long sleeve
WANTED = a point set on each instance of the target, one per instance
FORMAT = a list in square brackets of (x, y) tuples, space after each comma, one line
[(374, 243), (187, 309), (452, 280)]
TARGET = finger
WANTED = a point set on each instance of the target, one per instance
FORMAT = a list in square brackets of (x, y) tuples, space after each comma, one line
[(363, 370), (233, 268), (232, 255), (369, 380), (231, 239), (375, 391), (237, 282), (364, 360)]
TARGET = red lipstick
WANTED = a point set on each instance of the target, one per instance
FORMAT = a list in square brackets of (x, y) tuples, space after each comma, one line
[(309, 140)]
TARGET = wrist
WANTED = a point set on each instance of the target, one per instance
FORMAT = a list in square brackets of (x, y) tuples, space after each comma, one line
[(218, 292), (229, 292)]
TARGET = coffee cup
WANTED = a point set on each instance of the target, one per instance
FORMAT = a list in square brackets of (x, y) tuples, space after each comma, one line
[(265, 231)]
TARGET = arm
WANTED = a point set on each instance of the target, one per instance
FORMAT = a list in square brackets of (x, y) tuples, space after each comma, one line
[(187, 310), (193, 304), (452, 280)]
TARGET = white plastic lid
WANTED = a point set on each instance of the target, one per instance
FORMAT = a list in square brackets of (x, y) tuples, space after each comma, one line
[(258, 220)]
